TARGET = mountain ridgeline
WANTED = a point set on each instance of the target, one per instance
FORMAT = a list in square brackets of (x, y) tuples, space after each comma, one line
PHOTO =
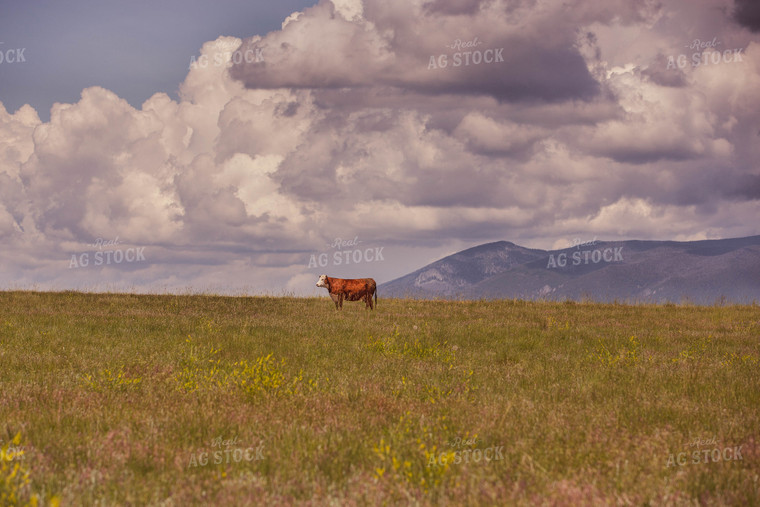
[(701, 272)]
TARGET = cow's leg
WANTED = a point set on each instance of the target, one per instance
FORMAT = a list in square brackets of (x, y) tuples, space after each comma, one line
[(340, 300), (365, 292), (369, 300), (334, 297)]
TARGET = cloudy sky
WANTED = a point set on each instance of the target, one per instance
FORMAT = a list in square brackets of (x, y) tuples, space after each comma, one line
[(247, 146)]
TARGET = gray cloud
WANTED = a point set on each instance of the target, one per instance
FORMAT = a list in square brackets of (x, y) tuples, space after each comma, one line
[(454, 8), (404, 46), (747, 13)]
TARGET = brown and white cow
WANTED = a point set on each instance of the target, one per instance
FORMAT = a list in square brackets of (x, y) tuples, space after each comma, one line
[(359, 289)]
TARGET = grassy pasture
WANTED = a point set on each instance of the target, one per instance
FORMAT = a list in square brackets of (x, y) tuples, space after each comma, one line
[(118, 399)]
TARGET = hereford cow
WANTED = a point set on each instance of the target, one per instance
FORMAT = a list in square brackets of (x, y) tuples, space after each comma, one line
[(360, 289)]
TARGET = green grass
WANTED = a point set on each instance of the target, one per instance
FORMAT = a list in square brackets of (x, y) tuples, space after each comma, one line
[(116, 398)]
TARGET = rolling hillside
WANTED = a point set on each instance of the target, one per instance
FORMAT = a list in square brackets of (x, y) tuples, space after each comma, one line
[(638, 271)]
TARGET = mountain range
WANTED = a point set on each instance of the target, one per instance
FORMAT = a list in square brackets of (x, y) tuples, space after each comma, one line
[(700, 272)]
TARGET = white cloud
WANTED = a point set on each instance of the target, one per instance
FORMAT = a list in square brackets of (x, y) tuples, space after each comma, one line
[(342, 130)]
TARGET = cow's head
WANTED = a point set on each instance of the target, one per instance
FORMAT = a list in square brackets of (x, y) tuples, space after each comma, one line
[(322, 282)]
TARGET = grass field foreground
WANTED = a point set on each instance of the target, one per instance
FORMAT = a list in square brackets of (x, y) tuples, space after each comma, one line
[(118, 399)]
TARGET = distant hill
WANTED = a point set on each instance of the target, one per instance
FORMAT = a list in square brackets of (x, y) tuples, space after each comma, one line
[(703, 272)]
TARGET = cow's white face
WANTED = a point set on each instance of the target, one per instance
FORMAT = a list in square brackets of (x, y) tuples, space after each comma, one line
[(322, 281)]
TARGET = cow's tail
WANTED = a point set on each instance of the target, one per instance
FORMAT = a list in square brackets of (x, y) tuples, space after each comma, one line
[(375, 297)]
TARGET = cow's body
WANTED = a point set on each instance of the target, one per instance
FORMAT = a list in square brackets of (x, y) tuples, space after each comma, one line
[(359, 289)]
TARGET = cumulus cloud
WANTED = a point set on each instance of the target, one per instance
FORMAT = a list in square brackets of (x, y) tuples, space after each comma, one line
[(346, 123), (426, 48)]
